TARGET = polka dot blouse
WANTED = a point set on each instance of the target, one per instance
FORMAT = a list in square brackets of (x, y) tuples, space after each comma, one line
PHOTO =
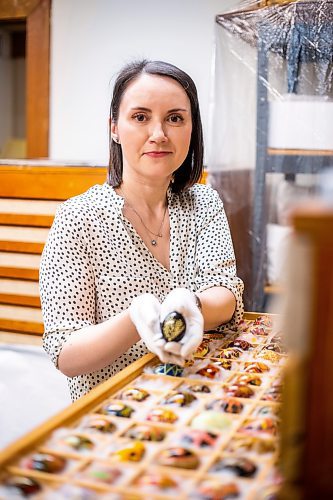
[(94, 263)]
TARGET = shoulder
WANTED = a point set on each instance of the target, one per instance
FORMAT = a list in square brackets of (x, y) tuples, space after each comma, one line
[(202, 199), (91, 198), (86, 205), (204, 195), (81, 214)]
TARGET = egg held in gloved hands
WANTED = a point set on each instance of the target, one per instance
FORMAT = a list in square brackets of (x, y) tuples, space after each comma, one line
[(145, 314), (173, 327), (183, 302)]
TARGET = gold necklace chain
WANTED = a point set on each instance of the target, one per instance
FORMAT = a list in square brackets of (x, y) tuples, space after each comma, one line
[(159, 233)]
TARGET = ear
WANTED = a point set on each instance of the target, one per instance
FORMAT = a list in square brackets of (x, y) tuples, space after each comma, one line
[(114, 132)]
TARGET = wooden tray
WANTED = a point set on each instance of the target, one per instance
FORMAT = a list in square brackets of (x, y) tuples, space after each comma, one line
[(40, 438)]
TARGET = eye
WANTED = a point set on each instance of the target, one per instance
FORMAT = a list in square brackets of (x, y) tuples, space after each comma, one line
[(140, 117), (175, 118)]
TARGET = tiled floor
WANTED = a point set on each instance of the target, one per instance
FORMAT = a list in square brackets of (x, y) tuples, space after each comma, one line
[(31, 390)]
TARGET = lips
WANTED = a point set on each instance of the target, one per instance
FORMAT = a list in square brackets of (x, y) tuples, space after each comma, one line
[(157, 154)]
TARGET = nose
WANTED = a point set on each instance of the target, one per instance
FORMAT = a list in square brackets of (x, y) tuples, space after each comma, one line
[(157, 133)]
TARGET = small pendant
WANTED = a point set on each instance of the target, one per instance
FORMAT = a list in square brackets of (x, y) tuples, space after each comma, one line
[(154, 243)]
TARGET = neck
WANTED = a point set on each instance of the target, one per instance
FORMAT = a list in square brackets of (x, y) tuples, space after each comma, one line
[(146, 208), (149, 198)]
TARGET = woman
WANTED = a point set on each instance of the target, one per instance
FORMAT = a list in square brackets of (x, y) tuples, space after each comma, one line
[(123, 255)]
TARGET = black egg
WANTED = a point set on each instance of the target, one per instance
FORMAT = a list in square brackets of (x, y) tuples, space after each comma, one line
[(173, 327)]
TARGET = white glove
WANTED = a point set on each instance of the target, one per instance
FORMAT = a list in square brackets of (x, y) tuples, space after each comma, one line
[(183, 301), (144, 312)]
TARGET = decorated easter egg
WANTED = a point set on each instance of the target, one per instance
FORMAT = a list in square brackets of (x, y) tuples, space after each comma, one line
[(238, 390), (24, 485), (263, 424), (101, 424), (248, 378), (200, 388), (179, 398), (118, 409), (228, 405), (173, 327), (230, 353), (169, 369), (78, 442), (241, 344), (256, 367), (202, 350), (211, 421), (271, 356), (240, 466), (162, 415), (178, 457), (135, 394), (145, 433), (45, 462), (213, 490), (132, 452), (199, 438), (158, 479), (103, 473), (209, 371)]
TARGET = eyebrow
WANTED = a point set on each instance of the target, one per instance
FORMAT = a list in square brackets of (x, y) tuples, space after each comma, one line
[(140, 108)]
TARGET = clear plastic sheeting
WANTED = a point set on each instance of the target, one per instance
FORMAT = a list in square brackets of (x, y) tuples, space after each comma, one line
[(271, 122)]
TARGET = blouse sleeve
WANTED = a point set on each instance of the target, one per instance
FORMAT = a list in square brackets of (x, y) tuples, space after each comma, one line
[(216, 265), (67, 286)]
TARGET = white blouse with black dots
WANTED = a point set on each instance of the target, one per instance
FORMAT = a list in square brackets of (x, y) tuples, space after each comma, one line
[(94, 263)]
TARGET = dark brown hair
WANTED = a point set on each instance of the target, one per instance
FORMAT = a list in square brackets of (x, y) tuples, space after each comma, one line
[(190, 170)]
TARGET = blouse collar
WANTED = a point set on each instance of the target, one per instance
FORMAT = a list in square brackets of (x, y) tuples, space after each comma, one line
[(118, 200)]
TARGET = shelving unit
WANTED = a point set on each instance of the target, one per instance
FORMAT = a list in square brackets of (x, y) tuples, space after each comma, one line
[(298, 31), (269, 160)]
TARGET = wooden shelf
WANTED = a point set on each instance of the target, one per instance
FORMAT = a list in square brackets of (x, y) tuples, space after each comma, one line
[(299, 152), (273, 289)]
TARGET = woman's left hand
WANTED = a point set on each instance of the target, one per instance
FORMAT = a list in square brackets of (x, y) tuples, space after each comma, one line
[(184, 302)]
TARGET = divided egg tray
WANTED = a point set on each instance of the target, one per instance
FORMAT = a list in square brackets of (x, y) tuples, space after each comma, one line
[(209, 431)]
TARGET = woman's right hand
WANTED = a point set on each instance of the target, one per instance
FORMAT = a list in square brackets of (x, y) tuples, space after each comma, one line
[(144, 312)]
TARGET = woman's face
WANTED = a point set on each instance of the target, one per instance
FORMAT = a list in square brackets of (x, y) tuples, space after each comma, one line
[(154, 128)]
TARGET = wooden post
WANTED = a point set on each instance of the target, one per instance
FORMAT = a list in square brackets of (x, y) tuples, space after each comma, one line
[(307, 430)]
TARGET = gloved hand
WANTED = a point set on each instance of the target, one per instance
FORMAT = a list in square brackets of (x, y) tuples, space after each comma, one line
[(144, 312), (184, 302)]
